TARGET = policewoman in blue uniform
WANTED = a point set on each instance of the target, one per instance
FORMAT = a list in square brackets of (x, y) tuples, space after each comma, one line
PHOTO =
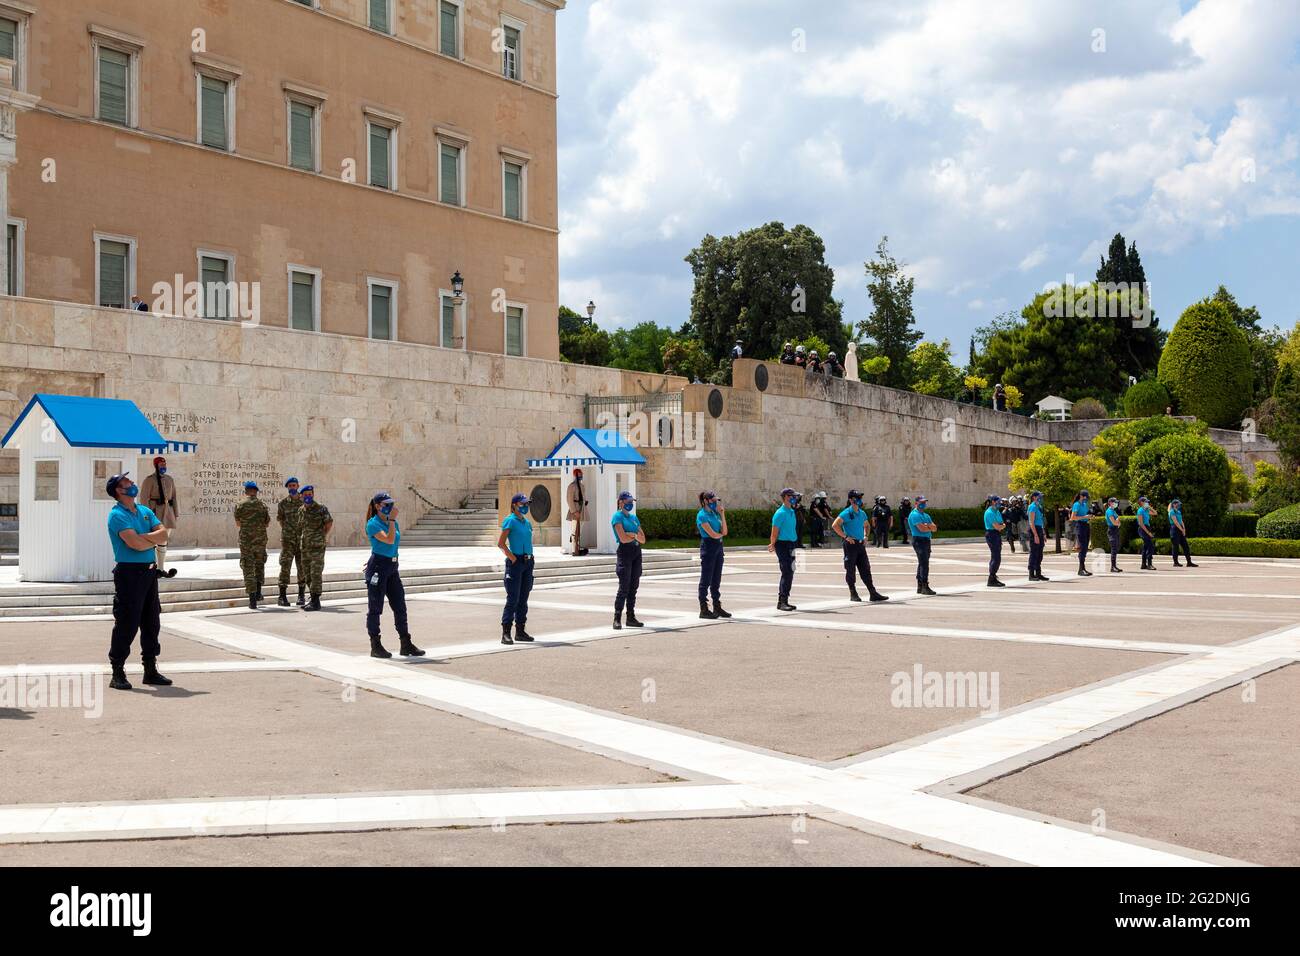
[(922, 526), (1037, 536), (782, 542), (1081, 516), (1112, 534), (627, 560), (134, 532), (1147, 532), (993, 528), (1178, 534), (382, 578), (711, 522), (516, 543), (851, 526)]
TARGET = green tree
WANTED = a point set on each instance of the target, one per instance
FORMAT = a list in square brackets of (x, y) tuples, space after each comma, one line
[(763, 286), (932, 372), (890, 324), (876, 369), (1057, 473), (639, 348), (1114, 446), (1138, 343), (1206, 365), (581, 340), (1088, 408), (1265, 344), (1189, 467), (1146, 398), (687, 357)]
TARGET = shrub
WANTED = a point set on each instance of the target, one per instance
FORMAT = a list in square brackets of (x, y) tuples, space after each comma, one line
[(958, 519), (1283, 523), (1239, 492), (1189, 467), (1114, 446), (1232, 547), (1239, 524), (1206, 365), (1088, 408), (1274, 487), (1146, 398)]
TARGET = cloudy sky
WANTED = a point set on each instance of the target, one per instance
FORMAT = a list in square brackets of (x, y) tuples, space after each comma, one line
[(999, 145)]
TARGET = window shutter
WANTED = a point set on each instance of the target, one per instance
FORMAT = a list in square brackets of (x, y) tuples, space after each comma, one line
[(215, 275), (11, 256), (114, 73), (450, 190), (214, 112), (514, 331), (113, 259), (303, 307), (450, 39), (302, 130), (513, 206), (448, 322), (381, 312), (379, 15), (379, 162), (9, 38)]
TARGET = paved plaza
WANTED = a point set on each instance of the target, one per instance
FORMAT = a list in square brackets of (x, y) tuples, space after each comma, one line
[(1148, 718)]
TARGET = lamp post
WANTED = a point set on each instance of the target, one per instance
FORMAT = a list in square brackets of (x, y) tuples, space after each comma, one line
[(458, 305), (591, 310)]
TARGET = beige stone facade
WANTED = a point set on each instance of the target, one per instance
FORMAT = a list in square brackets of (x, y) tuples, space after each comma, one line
[(196, 158)]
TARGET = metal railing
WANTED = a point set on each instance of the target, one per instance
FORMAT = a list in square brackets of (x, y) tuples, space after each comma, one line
[(620, 406)]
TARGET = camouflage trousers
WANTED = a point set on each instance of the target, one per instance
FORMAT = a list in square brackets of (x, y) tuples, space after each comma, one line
[(313, 563), (252, 561), (290, 554)]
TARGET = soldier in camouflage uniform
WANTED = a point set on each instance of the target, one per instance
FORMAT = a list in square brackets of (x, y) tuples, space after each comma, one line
[(289, 514), (317, 522), (252, 518)]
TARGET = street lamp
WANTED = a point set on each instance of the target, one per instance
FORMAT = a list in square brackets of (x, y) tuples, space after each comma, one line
[(591, 310), (458, 286)]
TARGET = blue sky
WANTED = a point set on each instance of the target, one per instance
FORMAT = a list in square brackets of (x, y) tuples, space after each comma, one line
[(999, 145)]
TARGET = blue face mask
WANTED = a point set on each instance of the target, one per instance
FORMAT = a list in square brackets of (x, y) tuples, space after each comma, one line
[(713, 506), (628, 505), (387, 509), (162, 471), (307, 499), (523, 509), (293, 492), (132, 490)]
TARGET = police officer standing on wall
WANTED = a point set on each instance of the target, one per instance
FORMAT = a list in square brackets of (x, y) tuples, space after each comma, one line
[(993, 528), (782, 543), (1144, 516), (516, 543), (1178, 534), (317, 523), (850, 524), (1037, 535), (801, 357), (787, 354), (1112, 534), (627, 562), (289, 515), (382, 578), (922, 526), (134, 532), (711, 522), (1081, 517), (252, 519)]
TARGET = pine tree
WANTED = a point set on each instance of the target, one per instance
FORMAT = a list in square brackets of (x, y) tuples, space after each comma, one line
[(1139, 341), (891, 323)]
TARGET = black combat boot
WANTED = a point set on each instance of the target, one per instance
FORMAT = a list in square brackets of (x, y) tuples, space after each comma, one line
[(377, 649), (853, 594), (718, 611), (252, 602), (1190, 565), (284, 597), (505, 634), (151, 675), (876, 597), (408, 649), (313, 604), (925, 589), (784, 605), (618, 621), (994, 582), (706, 614), (631, 618), (523, 637), (302, 595), (920, 588), (119, 681)]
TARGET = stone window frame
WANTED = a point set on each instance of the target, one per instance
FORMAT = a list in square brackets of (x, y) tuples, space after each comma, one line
[(460, 29), (21, 14), (230, 258), (102, 38), (462, 310), (317, 288), (446, 136), (394, 287), (523, 328), (523, 161), (393, 123), (305, 96), (58, 479), (392, 19), (19, 278), (230, 75), (520, 27), (131, 243)]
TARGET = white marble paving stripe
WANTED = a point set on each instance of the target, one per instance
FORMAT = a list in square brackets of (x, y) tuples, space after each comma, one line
[(1181, 594), (1012, 735), (177, 667), (142, 820)]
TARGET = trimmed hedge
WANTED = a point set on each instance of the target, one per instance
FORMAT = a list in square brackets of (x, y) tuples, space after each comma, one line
[(675, 523), (1283, 523), (1231, 547), (1239, 524), (1146, 398), (1190, 467), (1206, 365)]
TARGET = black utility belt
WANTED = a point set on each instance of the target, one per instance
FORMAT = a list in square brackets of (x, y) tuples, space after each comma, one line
[(136, 566), (522, 557)]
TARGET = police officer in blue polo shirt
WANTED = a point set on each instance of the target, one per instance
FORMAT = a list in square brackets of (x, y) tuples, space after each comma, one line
[(516, 543), (1147, 532), (1112, 533), (782, 542), (382, 578), (1037, 536), (1178, 534), (711, 522), (134, 531), (922, 527), (851, 525), (993, 528), (627, 560), (1082, 517)]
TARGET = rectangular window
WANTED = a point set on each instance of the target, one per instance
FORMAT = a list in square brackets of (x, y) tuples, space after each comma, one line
[(448, 330), (514, 330), (114, 273), (381, 156), (9, 47), (114, 87), (218, 289), (104, 469), (13, 257), (47, 479), (214, 105), (302, 136), (302, 301), (510, 53), (379, 18), (449, 29), (449, 190), (514, 190), (382, 310)]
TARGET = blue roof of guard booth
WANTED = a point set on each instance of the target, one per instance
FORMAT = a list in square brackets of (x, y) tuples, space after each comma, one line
[(94, 422), (609, 446)]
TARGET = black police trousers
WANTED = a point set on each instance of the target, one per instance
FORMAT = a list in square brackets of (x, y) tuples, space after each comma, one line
[(1112, 533), (1178, 540), (1036, 549), (1083, 537), (922, 548), (856, 563), (135, 608), (627, 565), (785, 558), (382, 580), (710, 569), (994, 541)]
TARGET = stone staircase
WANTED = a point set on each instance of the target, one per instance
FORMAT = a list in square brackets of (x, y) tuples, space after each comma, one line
[(195, 594), (472, 526)]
